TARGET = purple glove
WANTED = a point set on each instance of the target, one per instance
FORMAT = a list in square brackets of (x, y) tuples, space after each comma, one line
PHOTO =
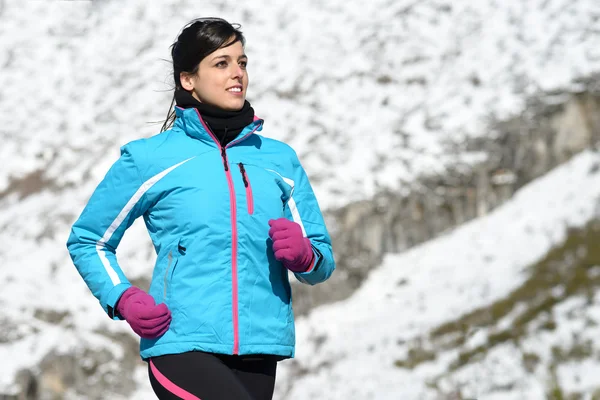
[(290, 246), (141, 312)]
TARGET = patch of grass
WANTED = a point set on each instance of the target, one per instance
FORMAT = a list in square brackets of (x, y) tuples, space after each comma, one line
[(566, 267), (548, 325), (596, 394), (576, 352), (555, 392), (416, 356), (465, 357)]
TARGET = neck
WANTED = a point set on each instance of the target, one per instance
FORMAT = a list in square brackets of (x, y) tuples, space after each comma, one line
[(225, 125)]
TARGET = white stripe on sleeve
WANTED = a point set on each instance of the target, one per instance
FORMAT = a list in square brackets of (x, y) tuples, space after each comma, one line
[(100, 245), (292, 202)]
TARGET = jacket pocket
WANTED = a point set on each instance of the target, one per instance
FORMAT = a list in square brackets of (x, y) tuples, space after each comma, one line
[(172, 260), (274, 190), (248, 186)]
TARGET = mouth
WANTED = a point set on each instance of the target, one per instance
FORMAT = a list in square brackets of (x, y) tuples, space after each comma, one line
[(237, 90)]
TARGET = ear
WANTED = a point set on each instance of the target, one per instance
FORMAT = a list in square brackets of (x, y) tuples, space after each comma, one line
[(187, 81)]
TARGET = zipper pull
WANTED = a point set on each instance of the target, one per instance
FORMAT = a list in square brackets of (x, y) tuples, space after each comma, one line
[(224, 155), (243, 171)]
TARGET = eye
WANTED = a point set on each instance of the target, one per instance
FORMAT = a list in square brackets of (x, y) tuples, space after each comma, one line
[(221, 64), (243, 64)]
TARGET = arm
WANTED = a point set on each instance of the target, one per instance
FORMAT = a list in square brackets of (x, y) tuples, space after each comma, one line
[(302, 207), (115, 204)]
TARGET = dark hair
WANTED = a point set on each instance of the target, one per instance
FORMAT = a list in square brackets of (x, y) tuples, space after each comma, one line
[(199, 38)]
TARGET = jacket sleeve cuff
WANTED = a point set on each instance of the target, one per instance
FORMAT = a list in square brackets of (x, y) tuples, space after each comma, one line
[(113, 297), (316, 260)]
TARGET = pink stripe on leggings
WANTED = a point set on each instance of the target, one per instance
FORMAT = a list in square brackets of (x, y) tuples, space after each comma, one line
[(170, 386)]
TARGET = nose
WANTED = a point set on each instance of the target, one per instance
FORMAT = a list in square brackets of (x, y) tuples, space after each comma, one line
[(237, 72)]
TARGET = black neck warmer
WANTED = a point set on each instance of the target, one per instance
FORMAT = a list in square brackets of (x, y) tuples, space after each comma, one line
[(225, 125)]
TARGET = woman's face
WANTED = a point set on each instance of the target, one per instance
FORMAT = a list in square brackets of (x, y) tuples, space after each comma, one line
[(222, 78)]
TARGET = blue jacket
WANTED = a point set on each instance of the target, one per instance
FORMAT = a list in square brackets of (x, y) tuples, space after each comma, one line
[(206, 209)]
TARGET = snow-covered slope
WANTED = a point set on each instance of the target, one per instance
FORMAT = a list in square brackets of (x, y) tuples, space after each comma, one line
[(367, 92), (354, 348)]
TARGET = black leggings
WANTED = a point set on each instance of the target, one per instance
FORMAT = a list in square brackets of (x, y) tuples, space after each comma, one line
[(205, 376)]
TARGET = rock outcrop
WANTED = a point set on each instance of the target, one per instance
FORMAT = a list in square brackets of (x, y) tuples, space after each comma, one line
[(552, 128)]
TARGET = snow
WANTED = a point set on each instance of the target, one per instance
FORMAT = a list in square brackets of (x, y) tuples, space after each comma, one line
[(369, 99), (476, 264), (578, 376)]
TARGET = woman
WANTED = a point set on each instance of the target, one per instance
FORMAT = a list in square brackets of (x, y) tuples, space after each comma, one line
[(229, 212)]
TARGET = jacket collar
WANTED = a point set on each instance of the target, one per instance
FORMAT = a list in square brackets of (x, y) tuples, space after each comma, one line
[(190, 121)]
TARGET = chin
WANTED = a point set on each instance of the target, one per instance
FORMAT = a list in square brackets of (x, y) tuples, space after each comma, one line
[(234, 105)]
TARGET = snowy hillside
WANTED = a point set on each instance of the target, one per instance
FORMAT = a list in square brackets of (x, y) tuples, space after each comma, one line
[(369, 93), (357, 348)]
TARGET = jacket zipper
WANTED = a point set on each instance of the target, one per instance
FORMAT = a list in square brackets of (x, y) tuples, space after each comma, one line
[(234, 282), (233, 206), (249, 198)]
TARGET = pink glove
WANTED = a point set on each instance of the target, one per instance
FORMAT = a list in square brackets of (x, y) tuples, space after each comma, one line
[(290, 246), (141, 312)]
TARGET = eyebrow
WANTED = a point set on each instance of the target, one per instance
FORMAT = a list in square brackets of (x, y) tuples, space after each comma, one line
[(228, 57)]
